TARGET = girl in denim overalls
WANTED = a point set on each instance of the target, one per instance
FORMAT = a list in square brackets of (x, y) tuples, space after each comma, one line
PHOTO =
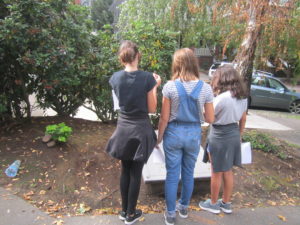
[(184, 99)]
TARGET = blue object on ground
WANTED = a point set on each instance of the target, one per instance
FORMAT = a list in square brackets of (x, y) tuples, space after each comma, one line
[(12, 170)]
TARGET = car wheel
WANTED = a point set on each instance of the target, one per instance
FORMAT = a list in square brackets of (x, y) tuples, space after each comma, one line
[(295, 107)]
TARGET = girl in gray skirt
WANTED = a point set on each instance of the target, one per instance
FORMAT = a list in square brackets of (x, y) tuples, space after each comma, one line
[(224, 140)]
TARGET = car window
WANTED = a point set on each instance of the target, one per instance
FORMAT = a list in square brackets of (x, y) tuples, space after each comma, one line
[(259, 81), (215, 66), (275, 84)]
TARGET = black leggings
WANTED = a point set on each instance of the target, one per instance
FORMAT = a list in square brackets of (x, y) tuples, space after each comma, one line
[(130, 183)]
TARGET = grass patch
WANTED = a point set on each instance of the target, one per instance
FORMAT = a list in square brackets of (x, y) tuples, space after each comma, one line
[(269, 183), (293, 145), (272, 183), (293, 116), (265, 143)]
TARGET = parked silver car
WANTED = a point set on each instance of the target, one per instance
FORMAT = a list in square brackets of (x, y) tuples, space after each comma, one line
[(267, 91), (216, 65)]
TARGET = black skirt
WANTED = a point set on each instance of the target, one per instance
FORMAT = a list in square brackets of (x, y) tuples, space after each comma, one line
[(133, 139)]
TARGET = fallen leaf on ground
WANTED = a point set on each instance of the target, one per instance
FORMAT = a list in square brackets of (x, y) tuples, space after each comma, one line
[(54, 208), (282, 217), (83, 208), (28, 195), (271, 203), (50, 202), (196, 208), (58, 222), (106, 211)]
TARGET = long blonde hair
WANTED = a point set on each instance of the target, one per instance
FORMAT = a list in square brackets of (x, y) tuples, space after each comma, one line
[(185, 65)]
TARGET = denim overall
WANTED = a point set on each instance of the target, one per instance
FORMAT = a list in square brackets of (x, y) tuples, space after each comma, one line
[(181, 143)]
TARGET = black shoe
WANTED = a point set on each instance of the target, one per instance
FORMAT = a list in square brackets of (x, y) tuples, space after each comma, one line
[(130, 219), (122, 215), (169, 220)]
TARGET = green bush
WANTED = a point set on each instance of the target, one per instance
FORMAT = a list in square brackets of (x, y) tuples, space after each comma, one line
[(44, 49), (264, 142), (157, 46), (48, 48), (59, 132), (103, 62), (3, 108)]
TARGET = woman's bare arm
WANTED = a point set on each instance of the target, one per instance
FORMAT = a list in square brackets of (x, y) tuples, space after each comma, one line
[(242, 122), (152, 95), (209, 112), (164, 118)]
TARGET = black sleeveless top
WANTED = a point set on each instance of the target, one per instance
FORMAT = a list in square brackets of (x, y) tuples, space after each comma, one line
[(131, 89)]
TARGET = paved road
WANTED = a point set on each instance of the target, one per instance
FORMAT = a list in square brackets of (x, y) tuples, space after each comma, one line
[(286, 119), (16, 211)]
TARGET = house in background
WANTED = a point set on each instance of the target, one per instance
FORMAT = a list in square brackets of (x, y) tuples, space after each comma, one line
[(204, 56), (115, 10), (83, 2)]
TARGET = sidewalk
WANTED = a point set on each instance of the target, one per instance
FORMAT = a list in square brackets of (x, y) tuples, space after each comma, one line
[(16, 211)]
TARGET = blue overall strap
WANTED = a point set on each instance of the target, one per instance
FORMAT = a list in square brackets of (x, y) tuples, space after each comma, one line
[(188, 111), (196, 91)]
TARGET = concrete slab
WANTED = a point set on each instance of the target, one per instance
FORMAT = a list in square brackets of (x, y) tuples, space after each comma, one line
[(255, 216), (82, 113), (258, 122), (16, 211), (155, 169)]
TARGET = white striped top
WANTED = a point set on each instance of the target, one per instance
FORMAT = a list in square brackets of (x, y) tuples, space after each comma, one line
[(170, 91)]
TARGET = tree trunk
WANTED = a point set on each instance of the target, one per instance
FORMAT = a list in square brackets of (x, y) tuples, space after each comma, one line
[(25, 96), (246, 52)]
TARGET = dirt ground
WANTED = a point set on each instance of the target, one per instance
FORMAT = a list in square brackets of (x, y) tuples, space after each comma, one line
[(79, 177)]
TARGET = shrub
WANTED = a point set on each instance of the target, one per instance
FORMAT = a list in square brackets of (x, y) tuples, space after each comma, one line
[(103, 62), (157, 46), (43, 50), (59, 132), (3, 109), (264, 142)]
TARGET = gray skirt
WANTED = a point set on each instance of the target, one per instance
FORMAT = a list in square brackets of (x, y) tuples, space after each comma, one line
[(224, 146), (133, 139)]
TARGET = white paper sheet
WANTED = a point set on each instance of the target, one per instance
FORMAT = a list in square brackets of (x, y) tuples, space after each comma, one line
[(116, 101), (246, 153), (158, 155)]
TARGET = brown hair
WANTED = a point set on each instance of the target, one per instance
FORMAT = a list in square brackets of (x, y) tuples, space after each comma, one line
[(185, 65), (128, 52), (226, 78)]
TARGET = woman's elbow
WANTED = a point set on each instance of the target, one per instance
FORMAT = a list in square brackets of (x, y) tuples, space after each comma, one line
[(152, 109), (209, 119)]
